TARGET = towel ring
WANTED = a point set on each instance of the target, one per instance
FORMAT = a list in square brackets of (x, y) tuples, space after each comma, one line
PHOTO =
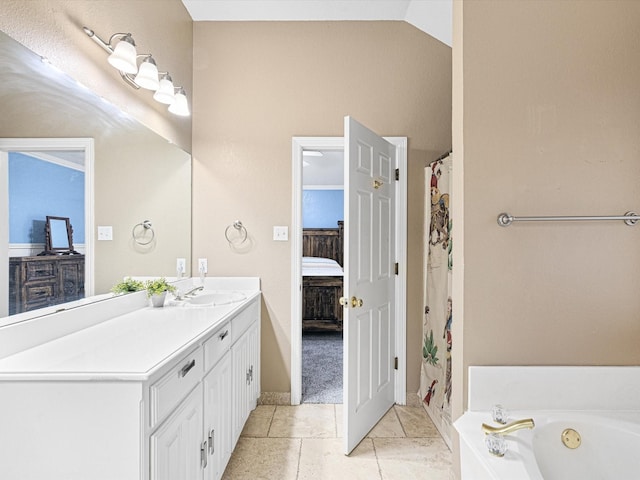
[(242, 232), (146, 225)]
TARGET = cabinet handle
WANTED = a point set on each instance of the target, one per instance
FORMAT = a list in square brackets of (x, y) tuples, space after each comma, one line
[(248, 381), (203, 454), (212, 436), (223, 334), (251, 373), (187, 367)]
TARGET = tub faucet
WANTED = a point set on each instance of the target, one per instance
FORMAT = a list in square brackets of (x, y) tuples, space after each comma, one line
[(509, 428)]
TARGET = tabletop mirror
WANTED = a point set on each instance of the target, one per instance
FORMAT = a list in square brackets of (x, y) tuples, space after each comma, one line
[(58, 236)]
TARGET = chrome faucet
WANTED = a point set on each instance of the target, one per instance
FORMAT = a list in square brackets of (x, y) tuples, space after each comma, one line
[(509, 428), (190, 292)]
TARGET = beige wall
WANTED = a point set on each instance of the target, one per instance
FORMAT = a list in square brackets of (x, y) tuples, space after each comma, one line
[(256, 85), (53, 29), (549, 122)]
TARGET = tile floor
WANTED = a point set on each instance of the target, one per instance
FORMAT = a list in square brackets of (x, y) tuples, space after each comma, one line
[(305, 442)]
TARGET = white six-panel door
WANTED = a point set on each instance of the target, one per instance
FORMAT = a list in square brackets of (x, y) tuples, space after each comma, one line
[(369, 282)]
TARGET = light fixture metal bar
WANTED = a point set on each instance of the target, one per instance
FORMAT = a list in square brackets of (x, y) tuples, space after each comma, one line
[(93, 36)]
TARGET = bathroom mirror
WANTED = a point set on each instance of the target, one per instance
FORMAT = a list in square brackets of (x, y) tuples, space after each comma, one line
[(135, 175)]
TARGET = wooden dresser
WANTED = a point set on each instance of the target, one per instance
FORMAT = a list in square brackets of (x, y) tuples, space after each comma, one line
[(37, 282)]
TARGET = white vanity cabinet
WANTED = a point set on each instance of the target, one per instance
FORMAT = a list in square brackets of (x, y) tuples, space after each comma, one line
[(157, 407), (197, 439)]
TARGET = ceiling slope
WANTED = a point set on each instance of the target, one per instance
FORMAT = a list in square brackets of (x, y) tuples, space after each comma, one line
[(434, 17)]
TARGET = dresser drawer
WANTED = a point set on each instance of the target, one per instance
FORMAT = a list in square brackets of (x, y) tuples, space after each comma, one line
[(216, 346), (169, 390), (39, 293), (40, 270), (244, 319)]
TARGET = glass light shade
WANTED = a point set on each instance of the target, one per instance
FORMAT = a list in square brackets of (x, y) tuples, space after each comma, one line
[(147, 76), (164, 93), (124, 55), (180, 105)]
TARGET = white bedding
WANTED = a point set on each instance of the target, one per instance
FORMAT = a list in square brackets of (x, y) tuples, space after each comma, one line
[(320, 267)]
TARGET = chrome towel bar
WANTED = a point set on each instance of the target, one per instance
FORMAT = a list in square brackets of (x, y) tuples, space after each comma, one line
[(630, 218)]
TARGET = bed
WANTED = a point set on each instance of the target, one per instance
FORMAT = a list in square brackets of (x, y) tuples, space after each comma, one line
[(322, 273)]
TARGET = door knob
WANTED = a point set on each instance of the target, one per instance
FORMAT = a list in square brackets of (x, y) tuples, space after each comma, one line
[(356, 302)]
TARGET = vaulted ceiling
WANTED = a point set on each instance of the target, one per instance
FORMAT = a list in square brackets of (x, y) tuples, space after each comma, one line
[(431, 16)]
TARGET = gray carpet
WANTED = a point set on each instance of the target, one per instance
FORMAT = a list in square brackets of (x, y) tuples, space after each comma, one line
[(322, 368)]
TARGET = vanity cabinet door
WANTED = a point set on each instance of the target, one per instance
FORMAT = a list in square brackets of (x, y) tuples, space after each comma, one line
[(254, 367), (176, 448), (217, 418), (240, 385), (246, 378)]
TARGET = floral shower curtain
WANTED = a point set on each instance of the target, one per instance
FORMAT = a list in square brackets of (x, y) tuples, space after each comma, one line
[(435, 376)]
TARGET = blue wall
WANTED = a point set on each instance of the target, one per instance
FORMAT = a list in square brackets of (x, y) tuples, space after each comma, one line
[(37, 189), (322, 208)]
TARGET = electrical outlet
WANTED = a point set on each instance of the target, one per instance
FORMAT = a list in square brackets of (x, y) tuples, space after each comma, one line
[(281, 234), (202, 265), (105, 233), (181, 265)]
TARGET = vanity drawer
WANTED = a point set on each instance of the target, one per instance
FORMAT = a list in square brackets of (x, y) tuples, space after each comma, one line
[(169, 390), (244, 319), (216, 346)]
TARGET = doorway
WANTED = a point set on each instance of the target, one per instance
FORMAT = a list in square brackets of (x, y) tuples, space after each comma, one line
[(322, 275), (299, 145)]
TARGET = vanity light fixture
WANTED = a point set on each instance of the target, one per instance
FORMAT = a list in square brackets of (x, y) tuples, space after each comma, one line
[(124, 55), (165, 92), (180, 106), (147, 76), (124, 58)]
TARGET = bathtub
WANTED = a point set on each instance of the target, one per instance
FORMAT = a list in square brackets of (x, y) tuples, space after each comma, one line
[(609, 447)]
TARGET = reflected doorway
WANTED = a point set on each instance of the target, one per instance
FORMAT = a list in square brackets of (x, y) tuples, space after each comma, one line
[(67, 165)]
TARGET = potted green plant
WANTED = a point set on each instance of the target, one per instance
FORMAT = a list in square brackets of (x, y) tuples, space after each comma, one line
[(157, 290), (127, 285)]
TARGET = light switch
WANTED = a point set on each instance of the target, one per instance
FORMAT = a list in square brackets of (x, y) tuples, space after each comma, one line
[(105, 233), (281, 234)]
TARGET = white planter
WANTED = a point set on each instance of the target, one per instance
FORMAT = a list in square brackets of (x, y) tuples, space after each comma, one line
[(158, 299)]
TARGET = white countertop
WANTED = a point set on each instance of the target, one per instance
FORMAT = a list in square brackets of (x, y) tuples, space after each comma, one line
[(127, 347)]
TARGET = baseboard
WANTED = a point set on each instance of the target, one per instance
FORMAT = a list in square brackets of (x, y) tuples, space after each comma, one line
[(284, 398), (275, 398)]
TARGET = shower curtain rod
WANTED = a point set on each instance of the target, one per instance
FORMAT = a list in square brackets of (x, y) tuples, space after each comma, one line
[(443, 156), (504, 219)]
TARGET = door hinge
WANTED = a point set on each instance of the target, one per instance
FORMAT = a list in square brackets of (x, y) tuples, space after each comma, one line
[(203, 454), (397, 174), (395, 363), (397, 267)]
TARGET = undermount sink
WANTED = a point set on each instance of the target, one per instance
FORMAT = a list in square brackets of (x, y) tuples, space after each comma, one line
[(209, 298)]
